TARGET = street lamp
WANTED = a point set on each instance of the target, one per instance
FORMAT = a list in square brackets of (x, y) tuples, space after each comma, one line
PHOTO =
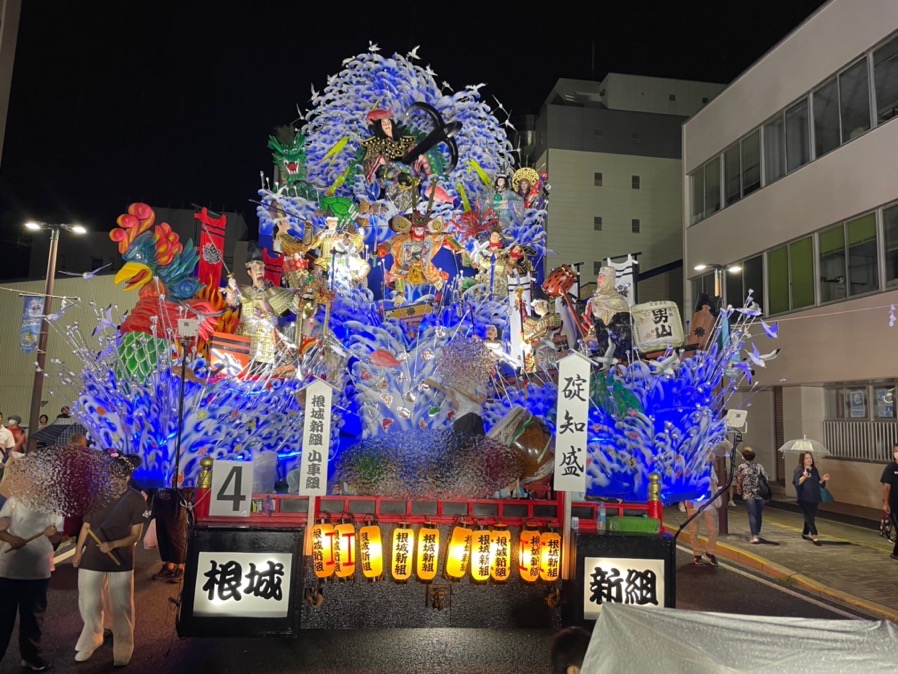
[(37, 387), (720, 290)]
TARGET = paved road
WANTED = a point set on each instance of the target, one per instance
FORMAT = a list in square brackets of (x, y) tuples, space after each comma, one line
[(437, 651)]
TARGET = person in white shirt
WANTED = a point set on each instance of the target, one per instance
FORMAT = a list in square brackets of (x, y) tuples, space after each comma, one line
[(27, 537)]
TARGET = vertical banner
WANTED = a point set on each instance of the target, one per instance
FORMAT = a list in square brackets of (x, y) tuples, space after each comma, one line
[(316, 439), (625, 273), (274, 266), (570, 424), (212, 237), (32, 315)]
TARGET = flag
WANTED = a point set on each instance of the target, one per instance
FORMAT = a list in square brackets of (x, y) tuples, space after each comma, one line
[(274, 266), (32, 315), (211, 247), (626, 277)]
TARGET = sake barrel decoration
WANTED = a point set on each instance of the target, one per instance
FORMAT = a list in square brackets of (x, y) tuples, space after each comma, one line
[(656, 326)]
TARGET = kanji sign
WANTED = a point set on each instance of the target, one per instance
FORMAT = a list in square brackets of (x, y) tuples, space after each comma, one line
[(316, 440), (570, 432), (242, 585), (609, 580)]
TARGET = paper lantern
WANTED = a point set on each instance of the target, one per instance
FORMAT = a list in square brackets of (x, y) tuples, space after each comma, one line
[(500, 554), (403, 552), (371, 551), (480, 555), (428, 556), (549, 556), (529, 555), (344, 550), (458, 552), (323, 549)]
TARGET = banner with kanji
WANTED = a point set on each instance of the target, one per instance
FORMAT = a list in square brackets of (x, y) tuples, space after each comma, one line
[(316, 439), (571, 422), (212, 237)]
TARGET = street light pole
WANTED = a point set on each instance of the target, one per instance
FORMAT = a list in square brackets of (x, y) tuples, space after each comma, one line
[(38, 386)]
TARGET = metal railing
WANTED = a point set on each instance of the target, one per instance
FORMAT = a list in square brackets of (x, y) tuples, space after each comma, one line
[(861, 440)]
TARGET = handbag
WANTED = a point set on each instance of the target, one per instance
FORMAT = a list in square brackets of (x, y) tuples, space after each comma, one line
[(764, 491), (886, 530), (826, 496), (150, 540)]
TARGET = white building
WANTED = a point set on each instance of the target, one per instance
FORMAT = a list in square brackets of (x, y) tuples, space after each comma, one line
[(613, 155), (791, 173)]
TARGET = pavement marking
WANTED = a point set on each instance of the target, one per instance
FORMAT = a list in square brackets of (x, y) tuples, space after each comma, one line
[(781, 588)]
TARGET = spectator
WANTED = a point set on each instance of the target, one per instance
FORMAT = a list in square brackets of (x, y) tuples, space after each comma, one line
[(171, 532), (14, 427), (568, 650), (708, 516), (64, 412), (889, 482), (26, 554), (808, 482), (118, 526), (42, 421), (746, 481), (78, 440), (7, 441)]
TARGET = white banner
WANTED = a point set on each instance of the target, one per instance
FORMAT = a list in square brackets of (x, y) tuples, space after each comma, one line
[(316, 439), (242, 584), (571, 422), (610, 580), (625, 280)]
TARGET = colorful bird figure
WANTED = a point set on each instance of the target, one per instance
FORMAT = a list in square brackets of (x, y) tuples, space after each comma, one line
[(161, 269)]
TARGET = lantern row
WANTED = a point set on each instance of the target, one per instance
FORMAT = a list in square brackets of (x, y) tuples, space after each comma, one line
[(337, 549)]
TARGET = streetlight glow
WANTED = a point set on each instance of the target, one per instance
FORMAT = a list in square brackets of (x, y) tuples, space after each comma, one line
[(33, 226), (700, 267), (78, 229), (734, 269)]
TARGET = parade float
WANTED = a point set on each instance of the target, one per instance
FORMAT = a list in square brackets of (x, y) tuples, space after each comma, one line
[(393, 387)]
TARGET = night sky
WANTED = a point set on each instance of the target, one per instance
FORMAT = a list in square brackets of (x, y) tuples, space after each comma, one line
[(172, 102)]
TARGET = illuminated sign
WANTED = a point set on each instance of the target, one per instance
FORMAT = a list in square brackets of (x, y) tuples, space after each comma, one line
[(610, 580), (242, 585)]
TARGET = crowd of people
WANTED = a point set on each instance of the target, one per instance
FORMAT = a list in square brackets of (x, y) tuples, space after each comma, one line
[(102, 543)]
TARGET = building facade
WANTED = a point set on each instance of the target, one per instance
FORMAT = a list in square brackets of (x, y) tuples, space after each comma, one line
[(612, 151), (791, 178)]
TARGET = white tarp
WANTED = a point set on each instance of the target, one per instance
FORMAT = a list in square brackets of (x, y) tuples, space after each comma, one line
[(637, 639)]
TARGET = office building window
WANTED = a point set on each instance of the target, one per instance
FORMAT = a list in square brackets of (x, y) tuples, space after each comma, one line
[(599, 134), (797, 136), (826, 118), (854, 101), (597, 223), (634, 225), (597, 179), (712, 187), (735, 292), (863, 267), (732, 175), (702, 291), (774, 150), (831, 244), (884, 401), (885, 80), (634, 138), (698, 195), (801, 272), (751, 163), (704, 100), (597, 266), (890, 234), (753, 279), (778, 280), (634, 182), (671, 97)]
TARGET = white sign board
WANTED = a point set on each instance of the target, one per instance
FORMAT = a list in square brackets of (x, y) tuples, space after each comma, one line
[(571, 422), (242, 585), (316, 440), (613, 580), (232, 489)]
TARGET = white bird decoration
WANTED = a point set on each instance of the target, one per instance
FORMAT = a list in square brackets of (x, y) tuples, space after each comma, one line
[(88, 274), (413, 54)]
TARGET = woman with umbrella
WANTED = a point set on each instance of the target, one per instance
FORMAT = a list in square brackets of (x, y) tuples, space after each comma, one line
[(808, 483)]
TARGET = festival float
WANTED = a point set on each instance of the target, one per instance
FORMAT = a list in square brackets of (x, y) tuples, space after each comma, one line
[(392, 416)]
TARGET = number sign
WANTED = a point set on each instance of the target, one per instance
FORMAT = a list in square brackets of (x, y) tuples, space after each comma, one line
[(232, 489)]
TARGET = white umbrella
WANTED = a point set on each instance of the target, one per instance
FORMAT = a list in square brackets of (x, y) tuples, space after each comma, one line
[(804, 444)]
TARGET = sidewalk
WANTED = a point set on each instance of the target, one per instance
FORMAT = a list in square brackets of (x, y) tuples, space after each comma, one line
[(851, 564)]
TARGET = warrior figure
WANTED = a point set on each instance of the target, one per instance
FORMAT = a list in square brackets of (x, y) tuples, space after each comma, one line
[(609, 312)]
